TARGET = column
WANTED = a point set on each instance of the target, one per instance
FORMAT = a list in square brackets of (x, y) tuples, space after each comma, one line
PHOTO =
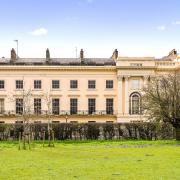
[(120, 97), (126, 95), (146, 80)]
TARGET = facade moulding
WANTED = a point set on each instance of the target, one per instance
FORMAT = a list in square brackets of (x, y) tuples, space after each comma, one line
[(64, 68)]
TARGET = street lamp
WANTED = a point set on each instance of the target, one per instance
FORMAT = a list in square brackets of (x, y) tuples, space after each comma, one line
[(66, 118), (17, 46)]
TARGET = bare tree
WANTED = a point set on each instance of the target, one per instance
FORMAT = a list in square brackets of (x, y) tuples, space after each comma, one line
[(161, 100), (49, 116), (23, 101)]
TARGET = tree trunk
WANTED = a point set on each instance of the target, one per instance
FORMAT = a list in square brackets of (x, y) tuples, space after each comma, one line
[(177, 130)]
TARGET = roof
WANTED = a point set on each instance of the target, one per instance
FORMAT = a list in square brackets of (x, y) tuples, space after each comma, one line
[(60, 61)]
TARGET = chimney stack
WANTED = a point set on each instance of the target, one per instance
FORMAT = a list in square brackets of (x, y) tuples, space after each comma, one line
[(13, 55), (47, 55), (82, 56)]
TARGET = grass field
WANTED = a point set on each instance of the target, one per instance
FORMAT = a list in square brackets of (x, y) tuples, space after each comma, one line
[(92, 160)]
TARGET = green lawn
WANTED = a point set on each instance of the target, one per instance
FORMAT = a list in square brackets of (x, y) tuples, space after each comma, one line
[(92, 160)]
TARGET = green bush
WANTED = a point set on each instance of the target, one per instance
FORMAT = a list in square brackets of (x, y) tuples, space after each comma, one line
[(92, 131)]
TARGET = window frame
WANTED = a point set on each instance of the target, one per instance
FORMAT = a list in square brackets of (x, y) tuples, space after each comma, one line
[(110, 106), (73, 106), (73, 84), (37, 106), (109, 85), (2, 108), (37, 84), (2, 84), (91, 84), (91, 105), (55, 106), (135, 104), (19, 86), (19, 106), (56, 85)]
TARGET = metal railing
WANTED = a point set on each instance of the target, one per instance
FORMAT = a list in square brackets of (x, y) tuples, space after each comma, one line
[(60, 113)]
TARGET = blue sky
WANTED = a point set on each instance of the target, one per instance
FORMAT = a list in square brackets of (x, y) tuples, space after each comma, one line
[(134, 27)]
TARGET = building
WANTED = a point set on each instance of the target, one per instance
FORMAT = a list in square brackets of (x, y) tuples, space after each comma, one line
[(77, 89)]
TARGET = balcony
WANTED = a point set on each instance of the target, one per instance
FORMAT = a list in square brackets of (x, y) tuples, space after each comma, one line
[(44, 113), (166, 64)]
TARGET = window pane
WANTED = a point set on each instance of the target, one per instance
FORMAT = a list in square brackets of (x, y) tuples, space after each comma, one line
[(37, 84), (73, 84), (135, 105), (109, 106), (19, 106), (37, 106), (91, 84), (109, 84), (19, 84), (55, 84), (1, 106), (91, 106), (55, 106), (1, 84), (73, 106)]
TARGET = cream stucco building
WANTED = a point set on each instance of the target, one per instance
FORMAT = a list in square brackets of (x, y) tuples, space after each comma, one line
[(78, 89)]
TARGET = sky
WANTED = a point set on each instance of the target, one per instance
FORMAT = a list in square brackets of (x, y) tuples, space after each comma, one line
[(134, 27)]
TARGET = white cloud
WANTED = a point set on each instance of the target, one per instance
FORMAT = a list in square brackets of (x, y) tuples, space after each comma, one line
[(39, 32), (161, 28), (176, 23)]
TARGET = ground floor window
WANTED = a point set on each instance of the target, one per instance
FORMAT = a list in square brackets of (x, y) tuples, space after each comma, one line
[(109, 105), (37, 106), (1, 106), (91, 106), (19, 106), (55, 106), (73, 106), (135, 103)]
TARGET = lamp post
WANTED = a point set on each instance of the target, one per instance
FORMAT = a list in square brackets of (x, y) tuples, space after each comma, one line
[(66, 118), (17, 43)]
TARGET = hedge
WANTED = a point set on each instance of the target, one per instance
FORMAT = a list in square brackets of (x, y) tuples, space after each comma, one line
[(91, 131)]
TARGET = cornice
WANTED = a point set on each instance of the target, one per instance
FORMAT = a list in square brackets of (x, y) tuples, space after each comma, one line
[(137, 68), (55, 68)]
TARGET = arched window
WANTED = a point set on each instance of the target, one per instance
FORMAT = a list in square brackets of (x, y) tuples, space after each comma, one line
[(135, 103)]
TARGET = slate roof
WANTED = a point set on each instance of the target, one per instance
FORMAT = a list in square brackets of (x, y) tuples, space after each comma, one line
[(60, 61)]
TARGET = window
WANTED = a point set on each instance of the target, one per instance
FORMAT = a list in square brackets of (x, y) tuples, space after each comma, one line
[(37, 106), (37, 84), (135, 104), (73, 106), (55, 106), (135, 84), (1, 106), (73, 84), (109, 106), (109, 84), (91, 106), (19, 106), (136, 64), (55, 84), (1, 84), (91, 84), (19, 84)]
